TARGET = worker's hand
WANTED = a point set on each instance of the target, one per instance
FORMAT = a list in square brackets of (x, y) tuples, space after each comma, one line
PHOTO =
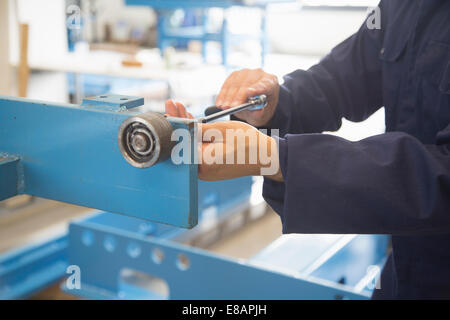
[(176, 109), (246, 83), (232, 149)]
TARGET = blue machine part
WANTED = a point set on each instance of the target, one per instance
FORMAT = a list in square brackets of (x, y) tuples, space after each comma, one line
[(30, 269), (9, 177), (102, 254), (353, 260), (83, 165), (70, 153)]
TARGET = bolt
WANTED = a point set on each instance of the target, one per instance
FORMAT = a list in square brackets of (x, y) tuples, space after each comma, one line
[(140, 142)]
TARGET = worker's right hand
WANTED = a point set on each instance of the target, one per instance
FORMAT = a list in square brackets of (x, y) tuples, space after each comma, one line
[(246, 83), (215, 136)]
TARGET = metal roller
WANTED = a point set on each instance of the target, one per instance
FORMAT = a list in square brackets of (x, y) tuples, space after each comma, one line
[(144, 140)]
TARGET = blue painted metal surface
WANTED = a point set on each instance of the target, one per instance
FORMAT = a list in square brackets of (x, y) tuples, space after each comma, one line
[(188, 272), (108, 244), (112, 102), (70, 153), (9, 176), (316, 264), (32, 268), (347, 259), (366, 252)]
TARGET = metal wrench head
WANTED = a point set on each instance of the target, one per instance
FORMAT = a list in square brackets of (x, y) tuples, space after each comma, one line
[(259, 101)]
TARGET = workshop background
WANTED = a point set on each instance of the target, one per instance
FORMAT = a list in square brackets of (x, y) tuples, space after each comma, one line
[(63, 51)]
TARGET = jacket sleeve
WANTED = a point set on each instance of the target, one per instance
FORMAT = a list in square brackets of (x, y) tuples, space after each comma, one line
[(345, 83), (390, 183)]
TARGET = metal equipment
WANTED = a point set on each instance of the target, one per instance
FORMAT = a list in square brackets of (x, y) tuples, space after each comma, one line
[(70, 153), (145, 140), (123, 258), (254, 103), (29, 269), (292, 267)]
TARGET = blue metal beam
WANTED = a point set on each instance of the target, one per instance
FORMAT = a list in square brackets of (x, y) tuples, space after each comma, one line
[(111, 102), (102, 253), (32, 268), (70, 153), (8, 176)]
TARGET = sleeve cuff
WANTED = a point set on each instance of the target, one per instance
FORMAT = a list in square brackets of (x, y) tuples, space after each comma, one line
[(274, 191), (282, 155)]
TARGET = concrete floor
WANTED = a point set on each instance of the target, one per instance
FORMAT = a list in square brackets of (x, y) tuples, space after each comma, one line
[(249, 240), (34, 222)]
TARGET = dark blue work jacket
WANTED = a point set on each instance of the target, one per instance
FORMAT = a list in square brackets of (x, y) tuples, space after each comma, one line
[(395, 183)]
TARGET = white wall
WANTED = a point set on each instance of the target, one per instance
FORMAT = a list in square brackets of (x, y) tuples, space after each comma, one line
[(311, 31), (5, 68), (47, 31)]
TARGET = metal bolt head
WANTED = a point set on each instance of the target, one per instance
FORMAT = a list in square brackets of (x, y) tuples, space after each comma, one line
[(140, 142), (145, 139)]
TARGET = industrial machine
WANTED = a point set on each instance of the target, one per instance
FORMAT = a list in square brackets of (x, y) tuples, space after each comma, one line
[(71, 153), (106, 154)]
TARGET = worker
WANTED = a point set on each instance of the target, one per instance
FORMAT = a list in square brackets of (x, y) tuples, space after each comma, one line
[(396, 183)]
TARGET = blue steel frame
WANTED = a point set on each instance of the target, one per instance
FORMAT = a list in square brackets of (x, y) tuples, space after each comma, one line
[(102, 252), (32, 268), (70, 153), (319, 266), (83, 165)]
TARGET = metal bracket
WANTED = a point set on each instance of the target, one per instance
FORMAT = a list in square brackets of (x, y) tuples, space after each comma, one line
[(102, 253), (111, 102), (32, 268), (8, 177), (70, 153)]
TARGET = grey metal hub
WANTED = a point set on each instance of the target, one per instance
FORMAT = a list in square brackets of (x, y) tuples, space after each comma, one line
[(144, 140)]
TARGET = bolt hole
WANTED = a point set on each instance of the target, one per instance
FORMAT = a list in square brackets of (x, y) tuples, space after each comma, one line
[(87, 238), (183, 262), (124, 99), (134, 250), (109, 244), (157, 255)]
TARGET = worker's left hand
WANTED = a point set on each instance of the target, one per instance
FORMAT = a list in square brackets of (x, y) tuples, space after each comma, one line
[(176, 109), (232, 149)]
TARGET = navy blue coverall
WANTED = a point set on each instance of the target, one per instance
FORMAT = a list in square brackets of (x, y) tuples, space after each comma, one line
[(395, 183)]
